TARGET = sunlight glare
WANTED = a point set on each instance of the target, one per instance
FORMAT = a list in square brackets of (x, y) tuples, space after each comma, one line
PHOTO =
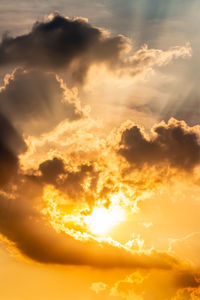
[(101, 220)]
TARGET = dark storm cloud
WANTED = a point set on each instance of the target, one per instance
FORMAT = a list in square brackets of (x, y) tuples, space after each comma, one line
[(59, 43), (36, 101), (174, 143), (11, 144)]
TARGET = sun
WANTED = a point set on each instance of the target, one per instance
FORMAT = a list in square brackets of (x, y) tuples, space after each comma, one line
[(101, 220)]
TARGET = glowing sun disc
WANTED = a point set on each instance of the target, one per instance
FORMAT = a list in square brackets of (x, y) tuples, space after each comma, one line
[(101, 220)]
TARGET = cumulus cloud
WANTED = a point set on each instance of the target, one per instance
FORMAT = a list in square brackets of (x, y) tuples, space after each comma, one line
[(59, 42), (174, 143), (78, 183), (51, 169), (74, 45), (36, 101), (33, 234)]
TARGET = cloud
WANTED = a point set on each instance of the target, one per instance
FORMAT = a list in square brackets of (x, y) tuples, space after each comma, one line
[(51, 169), (29, 231), (145, 58), (173, 143), (187, 294), (98, 287), (156, 285), (79, 183), (60, 42), (73, 46), (11, 145), (36, 101)]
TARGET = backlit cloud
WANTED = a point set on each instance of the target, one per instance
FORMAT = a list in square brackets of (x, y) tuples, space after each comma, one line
[(90, 173)]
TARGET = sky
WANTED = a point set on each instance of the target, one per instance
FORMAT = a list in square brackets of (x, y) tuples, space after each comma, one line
[(99, 150)]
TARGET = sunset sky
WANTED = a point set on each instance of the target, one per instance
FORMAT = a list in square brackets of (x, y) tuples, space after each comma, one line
[(99, 150)]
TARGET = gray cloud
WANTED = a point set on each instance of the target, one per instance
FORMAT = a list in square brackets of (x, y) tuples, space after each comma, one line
[(71, 182), (59, 43), (36, 101), (11, 145), (51, 169), (174, 143)]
